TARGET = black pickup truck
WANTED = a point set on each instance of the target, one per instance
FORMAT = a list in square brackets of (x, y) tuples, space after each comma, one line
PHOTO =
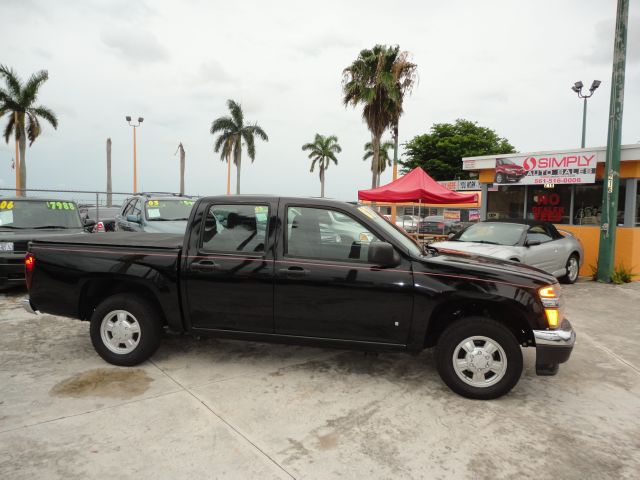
[(304, 271)]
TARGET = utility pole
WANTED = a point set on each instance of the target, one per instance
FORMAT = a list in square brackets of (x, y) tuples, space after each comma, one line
[(109, 196), (17, 162), (609, 217), (182, 155)]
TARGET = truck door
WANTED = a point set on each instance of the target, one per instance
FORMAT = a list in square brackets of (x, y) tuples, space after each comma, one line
[(326, 289), (229, 267)]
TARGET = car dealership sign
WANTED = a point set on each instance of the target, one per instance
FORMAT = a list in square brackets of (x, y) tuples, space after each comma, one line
[(569, 168)]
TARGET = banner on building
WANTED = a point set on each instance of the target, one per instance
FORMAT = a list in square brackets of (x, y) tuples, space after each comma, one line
[(474, 215), (451, 215), (566, 168)]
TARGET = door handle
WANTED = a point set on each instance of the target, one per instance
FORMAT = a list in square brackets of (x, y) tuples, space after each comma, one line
[(293, 271), (204, 265)]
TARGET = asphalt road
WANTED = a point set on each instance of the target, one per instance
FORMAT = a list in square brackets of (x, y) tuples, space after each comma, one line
[(230, 409)]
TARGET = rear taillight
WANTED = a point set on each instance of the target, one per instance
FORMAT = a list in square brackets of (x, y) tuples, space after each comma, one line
[(99, 227), (29, 264)]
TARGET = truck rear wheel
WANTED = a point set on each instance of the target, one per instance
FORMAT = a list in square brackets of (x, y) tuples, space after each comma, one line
[(125, 330), (479, 358)]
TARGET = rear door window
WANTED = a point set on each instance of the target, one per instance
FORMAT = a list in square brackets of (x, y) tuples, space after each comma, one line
[(235, 228)]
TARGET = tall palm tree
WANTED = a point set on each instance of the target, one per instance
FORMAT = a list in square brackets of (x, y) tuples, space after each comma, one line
[(233, 133), (18, 100), (405, 76), (322, 151), (384, 159), (378, 79)]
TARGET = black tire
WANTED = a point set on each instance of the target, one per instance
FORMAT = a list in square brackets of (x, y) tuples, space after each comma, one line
[(148, 337), (499, 178), (569, 278), (468, 327)]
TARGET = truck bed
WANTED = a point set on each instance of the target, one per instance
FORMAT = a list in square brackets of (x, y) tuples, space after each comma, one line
[(119, 239)]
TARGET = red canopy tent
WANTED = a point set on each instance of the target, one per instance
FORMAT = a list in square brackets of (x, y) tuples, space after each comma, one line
[(416, 186)]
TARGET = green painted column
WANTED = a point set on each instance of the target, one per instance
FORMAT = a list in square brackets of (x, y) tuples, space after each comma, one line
[(608, 221)]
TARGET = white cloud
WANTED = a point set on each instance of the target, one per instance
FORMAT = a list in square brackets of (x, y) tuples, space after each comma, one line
[(135, 45)]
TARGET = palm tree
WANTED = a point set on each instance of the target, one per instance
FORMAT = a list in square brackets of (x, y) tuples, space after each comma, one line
[(234, 131), (384, 159), (322, 151), (18, 99), (405, 77), (378, 79)]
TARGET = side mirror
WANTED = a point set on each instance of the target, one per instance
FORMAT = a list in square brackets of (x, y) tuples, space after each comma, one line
[(451, 235), (532, 243), (89, 224), (382, 254), (133, 218)]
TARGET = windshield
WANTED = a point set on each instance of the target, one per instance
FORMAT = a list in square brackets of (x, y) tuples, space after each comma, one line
[(168, 210), (389, 228), (489, 232), (22, 214)]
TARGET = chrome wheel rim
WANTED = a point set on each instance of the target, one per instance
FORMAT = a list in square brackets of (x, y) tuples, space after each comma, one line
[(572, 268), (479, 361), (120, 332)]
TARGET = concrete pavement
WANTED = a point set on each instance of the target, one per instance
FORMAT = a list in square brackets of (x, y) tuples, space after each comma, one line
[(230, 409)]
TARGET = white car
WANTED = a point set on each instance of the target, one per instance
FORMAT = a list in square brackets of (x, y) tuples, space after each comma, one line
[(408, 222), (535, 243)]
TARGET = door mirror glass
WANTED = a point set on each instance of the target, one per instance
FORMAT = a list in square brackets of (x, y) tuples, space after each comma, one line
[(382, 254), (89, 223), (533, 243), (133, 218)]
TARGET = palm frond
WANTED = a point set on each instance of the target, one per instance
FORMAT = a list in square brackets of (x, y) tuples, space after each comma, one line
[(247, 134), (256, 130), (224, 137), (29, 93), (236, 112), (13, 81), (46, 113), (33, 128), (222, 124), (8, 130)]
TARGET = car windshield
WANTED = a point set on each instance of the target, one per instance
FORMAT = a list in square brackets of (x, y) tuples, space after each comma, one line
[(490, 232), (168, 210), (392, 230), (23, 214)]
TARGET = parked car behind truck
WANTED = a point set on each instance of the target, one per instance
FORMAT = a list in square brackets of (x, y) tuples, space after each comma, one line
[(25, 219), (247, 268), (154, 213)]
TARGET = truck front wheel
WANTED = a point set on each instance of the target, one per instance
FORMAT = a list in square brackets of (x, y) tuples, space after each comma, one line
[(479, 358), (125, 330)]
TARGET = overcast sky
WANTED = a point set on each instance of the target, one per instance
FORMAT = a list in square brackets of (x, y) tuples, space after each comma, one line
[(508, 65)]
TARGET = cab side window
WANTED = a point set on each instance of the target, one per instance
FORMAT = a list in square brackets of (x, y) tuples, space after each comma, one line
[(325, 234), (539, 233), (127, 208), (136, 207), (235, 228)]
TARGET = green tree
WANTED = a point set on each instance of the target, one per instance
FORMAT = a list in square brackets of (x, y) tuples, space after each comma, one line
[(322, 151), (233, 132), (18, 100), (378, 80), (440, 151), (384, 160)]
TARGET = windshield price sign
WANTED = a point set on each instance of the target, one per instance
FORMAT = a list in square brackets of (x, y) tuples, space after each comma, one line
[(60, 206), (6, 205)]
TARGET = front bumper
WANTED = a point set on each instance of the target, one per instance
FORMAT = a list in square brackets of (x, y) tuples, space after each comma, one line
[(554, 346)]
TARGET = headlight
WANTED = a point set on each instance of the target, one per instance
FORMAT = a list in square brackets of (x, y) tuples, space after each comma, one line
[(551, 301), (6, 246)]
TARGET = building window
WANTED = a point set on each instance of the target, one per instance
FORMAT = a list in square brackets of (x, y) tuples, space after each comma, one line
[(549, 204), (507, 202), (587, 204)]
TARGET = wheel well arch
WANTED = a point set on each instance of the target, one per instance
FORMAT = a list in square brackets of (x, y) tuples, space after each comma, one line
[(450, 311), (96, 290)]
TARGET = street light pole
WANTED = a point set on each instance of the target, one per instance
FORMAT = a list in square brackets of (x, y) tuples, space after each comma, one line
[(17, 161), (135, 160), (577, 87)]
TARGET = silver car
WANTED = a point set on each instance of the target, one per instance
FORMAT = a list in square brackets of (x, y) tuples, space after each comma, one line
[(535, 243)]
